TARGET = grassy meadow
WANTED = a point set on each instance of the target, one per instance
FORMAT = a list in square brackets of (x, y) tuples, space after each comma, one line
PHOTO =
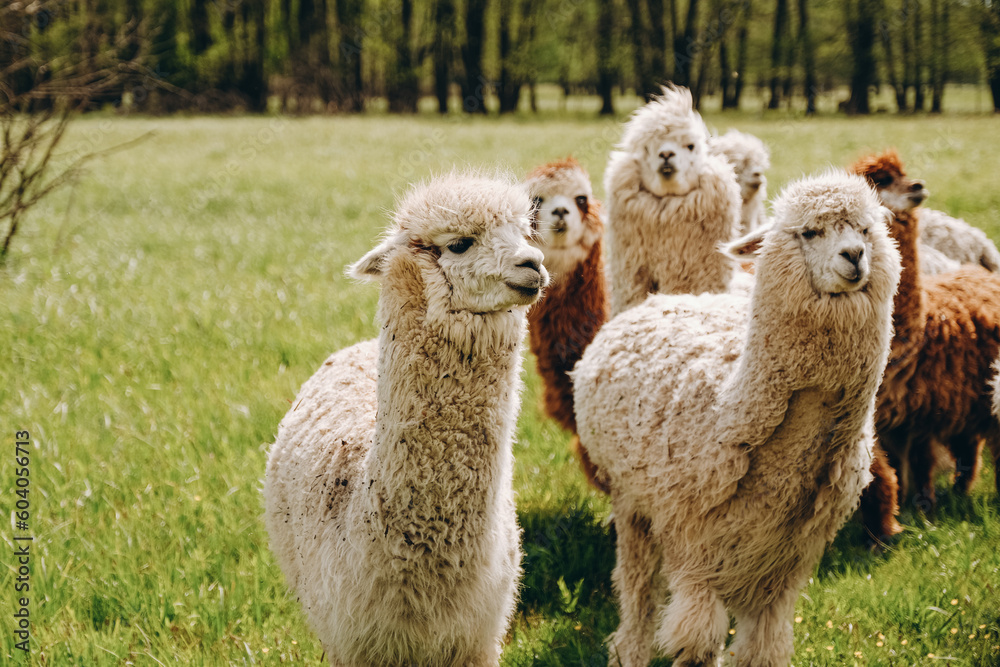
[(161, 314)]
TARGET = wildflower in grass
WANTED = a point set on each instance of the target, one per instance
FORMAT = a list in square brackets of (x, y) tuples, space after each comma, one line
[(829, 648), (954, 602), (930, 655), (954, 631), (903, 642), (798, 619), (878, 643), (858, 654), (829, 624)]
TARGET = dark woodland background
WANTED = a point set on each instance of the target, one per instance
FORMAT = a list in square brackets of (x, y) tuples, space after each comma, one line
[(485, 56)]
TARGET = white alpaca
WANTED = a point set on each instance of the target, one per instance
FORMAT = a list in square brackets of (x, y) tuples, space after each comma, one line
[(736, 435), (669, 205), (957, 240), (749, 158), (388, 492)]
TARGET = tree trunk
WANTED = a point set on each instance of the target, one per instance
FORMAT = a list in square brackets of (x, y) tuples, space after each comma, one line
[(657, 43), (474, 84), (808, 57), (605, 70), (778, 47), (861, 19), (350, 95), (403, 85), (990, 27), (201, 36), (918, 58), (898, 89), (685, 46), (639, 32), (940, 62), (741, 56), (444, 23), (725, 75)]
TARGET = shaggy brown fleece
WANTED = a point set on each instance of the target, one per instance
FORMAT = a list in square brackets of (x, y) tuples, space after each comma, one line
[(574, 308), (936, 387)]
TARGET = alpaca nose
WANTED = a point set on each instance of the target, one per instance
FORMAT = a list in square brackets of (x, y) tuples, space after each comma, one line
[(531, 263), (853, 255), (917, 186), (560, 212), (665, 156)]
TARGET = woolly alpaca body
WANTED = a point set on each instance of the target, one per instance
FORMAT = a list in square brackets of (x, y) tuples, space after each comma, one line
[(388, 492), (750, 159), (669, 206), (947, 335), (737, 436), (957, 240)]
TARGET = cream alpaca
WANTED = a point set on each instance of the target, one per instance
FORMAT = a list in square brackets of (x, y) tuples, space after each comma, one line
[(669, 205), (388, 491), (749, 158), (737, 436)]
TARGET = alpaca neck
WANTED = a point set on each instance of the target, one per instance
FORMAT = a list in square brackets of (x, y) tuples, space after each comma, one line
[(909, 309), (446, 412), (562, 325)]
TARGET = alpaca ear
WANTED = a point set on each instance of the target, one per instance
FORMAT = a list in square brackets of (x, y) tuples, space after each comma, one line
[(746, 247), (373, 265), (887, 215)]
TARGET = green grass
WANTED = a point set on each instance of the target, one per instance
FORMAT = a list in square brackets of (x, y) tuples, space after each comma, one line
[(161, 315)]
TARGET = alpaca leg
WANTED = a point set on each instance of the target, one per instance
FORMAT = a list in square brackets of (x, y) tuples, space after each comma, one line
[(764, 635), (922, 467), (633, 577), (880, 501), (967, 448), (693, 626)]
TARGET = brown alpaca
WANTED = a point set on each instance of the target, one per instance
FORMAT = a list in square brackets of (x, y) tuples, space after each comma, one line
[(562, 324), (936, 385)]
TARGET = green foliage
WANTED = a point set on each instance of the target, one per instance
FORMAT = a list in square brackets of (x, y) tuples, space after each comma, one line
[(158, 329)]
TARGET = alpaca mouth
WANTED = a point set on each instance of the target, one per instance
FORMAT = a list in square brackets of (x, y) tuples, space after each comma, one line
[(560, 227), (526, 290), (668, 171), (918, 197)]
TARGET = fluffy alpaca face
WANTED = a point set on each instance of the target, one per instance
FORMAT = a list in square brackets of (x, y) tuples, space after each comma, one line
[(899, 193), (672, 164), (669, 140), (468, 237), (832, 227), (566, 219), (837, 252), (749, 158)]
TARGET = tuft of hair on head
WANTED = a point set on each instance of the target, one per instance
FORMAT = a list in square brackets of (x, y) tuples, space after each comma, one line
[(881, 168), (451, 199), (673, 109), (825, 196), (551, 169)]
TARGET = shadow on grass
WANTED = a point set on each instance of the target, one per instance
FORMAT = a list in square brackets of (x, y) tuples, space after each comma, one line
[(568, 558)]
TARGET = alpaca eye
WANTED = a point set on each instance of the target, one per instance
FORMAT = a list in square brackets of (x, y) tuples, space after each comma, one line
[(536, 203), (581, 201), (810, 234), (690, 147), (865, 231), (461, 245)]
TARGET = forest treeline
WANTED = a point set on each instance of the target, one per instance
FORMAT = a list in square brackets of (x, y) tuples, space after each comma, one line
[(345, 56)]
